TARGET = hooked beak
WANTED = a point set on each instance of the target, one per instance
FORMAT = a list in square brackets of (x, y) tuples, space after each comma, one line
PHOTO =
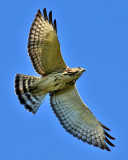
[(83, 69)]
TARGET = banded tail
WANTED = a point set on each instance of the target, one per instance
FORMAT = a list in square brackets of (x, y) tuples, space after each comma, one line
[(23, 85)]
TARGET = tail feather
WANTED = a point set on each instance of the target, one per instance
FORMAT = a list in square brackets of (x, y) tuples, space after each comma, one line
[(23, 85)]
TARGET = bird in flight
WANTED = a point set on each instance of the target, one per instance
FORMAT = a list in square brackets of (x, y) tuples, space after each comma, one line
[(57, 79)]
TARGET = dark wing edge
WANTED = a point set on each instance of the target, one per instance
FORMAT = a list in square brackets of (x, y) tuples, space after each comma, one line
[(54, 24)]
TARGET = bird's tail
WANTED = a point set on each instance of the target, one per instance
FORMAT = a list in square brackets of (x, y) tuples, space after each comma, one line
[(23, 89)]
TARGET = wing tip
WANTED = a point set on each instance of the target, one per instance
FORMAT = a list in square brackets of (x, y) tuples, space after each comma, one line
[(103, 126), (55, 26), (39, 11), (110, 143), (108, 149), (50, 17), (108, 135), (45, 14)]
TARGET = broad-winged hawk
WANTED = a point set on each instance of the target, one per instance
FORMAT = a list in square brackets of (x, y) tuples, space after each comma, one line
[(58, 80)]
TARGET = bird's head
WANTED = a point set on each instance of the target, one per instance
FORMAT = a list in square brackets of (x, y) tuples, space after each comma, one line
[(74, 73)]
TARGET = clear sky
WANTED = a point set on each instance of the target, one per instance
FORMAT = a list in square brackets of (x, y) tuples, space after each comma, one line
[(93, 34)]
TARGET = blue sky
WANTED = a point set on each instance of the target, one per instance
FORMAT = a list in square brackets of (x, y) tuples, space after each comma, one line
[(93, 35)]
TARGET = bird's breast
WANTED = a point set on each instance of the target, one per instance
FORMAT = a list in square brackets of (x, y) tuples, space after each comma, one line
[(54, 82)]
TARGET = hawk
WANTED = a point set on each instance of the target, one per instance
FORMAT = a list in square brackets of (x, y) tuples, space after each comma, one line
[(57, 79)]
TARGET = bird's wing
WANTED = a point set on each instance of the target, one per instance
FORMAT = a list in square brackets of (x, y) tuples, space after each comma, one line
[(77, 119), (43, 45)]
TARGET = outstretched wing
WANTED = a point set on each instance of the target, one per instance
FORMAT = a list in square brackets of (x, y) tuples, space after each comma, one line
[(77, 119), (43, 45)]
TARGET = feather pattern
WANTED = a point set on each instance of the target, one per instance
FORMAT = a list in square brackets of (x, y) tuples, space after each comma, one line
[(43, 45), (23, 85), (77, 119), (58, 80)]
